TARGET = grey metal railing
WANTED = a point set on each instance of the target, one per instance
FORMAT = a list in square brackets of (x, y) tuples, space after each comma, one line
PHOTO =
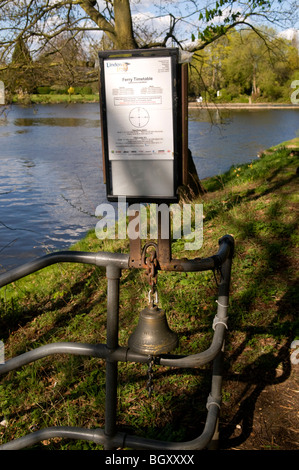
[(109, 437)]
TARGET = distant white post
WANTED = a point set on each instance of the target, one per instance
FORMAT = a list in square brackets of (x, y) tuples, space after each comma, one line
[(2, 361), (2, 93)]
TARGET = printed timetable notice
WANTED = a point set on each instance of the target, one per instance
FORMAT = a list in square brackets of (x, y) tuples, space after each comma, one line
[(139, 107)]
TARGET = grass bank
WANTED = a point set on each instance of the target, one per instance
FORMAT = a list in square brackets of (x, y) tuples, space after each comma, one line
[(237, 105), (53, 98), (56, 98), (258, 204)]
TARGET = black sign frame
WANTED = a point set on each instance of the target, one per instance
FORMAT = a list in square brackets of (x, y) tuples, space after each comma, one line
[(173, 54)]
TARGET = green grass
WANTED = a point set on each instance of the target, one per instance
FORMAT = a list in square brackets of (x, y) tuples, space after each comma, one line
[(58, 98), (256, 203)]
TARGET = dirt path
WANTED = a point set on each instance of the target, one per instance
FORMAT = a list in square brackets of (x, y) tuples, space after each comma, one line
[(267, 418)]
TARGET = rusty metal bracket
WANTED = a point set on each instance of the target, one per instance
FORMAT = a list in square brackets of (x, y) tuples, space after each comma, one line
[(151, 263), (162, 248), (165, 262), (135, 260)]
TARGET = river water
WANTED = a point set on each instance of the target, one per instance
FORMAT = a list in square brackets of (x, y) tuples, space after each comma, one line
[(51, 177)]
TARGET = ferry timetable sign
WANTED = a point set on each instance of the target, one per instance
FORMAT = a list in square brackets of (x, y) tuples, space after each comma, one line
[(140, 117)]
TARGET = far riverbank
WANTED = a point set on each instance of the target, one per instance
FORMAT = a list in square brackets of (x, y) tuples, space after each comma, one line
[(244, 106), (94, 98)]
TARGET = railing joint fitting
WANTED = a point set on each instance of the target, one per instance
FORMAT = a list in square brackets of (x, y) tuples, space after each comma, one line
[(218, 320), (213, 401)]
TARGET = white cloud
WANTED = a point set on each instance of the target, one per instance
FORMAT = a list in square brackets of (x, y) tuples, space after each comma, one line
[(290, 34), (151, 25)]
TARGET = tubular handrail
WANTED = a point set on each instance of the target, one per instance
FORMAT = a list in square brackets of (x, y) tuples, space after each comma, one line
[(67, 432), (121, 353), (110, 438), (101, 259), (120, 439), (121, 260)]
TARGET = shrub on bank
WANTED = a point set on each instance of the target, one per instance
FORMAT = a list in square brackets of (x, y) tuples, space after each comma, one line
[(84, 90), (58, 90), (43, 90)]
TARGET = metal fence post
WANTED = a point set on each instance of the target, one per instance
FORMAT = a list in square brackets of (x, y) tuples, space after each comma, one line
[(112, 353), (113, 276)]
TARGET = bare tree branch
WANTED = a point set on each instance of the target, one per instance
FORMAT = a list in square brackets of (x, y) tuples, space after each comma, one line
[(39, 22)]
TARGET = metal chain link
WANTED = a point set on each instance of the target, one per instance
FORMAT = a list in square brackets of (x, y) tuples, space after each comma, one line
[(152, 274), (151, 271)]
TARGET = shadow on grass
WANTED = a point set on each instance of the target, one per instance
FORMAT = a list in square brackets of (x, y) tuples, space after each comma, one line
[(260, 373), (263, 303)]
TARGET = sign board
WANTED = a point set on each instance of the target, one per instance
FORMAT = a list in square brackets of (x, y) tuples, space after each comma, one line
[(140, 114)]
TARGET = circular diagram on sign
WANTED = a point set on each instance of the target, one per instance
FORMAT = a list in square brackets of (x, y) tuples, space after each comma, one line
[(139, 117)]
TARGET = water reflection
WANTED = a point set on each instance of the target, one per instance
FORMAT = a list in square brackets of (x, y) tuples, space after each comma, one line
[(56, 122), (210, 115), (50, 179), (22, 131), (236, 136), (28, 163)]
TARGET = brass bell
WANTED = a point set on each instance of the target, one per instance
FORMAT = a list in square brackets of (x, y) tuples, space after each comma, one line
[(152, 335)]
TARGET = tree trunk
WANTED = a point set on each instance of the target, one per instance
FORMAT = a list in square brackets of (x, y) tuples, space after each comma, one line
[(123, 25), (254, 89), (120, 33), (194, 188)]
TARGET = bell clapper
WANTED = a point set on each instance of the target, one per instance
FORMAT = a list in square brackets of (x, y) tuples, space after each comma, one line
[(149, 385), (152, 302), (153, 299)]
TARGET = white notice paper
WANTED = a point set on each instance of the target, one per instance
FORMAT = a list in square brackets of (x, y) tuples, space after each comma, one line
[(139, 108)]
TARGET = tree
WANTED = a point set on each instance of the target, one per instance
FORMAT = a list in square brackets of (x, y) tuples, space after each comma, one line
[(63, 62), (245, 63), (126, 24), (206, 75), (37, 22), (21, 54), (257, 67), (21, 75)]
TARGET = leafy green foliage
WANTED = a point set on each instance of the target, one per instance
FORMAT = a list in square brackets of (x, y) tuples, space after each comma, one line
[(242, 65)]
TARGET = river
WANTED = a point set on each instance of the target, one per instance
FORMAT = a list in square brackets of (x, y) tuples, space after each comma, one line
[(51, 177)]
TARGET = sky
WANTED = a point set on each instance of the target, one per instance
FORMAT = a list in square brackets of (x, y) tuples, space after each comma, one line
[(155, 16), (146, 12)]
